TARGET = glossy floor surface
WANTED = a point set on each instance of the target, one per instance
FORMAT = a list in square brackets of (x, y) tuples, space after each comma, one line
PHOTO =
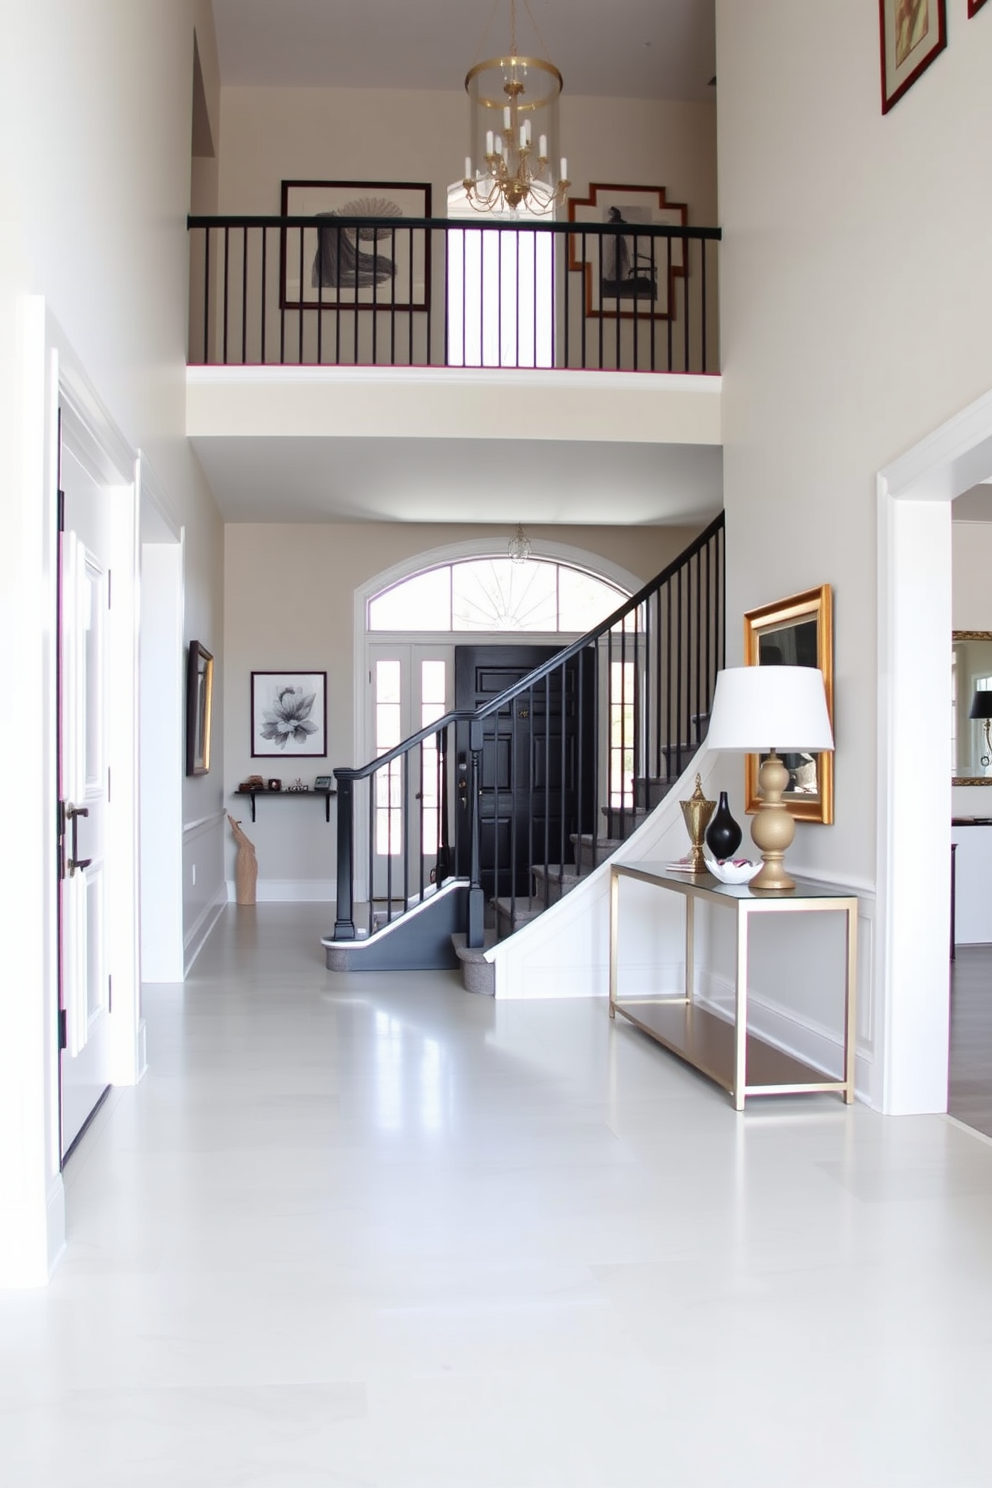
[(364, 1230)]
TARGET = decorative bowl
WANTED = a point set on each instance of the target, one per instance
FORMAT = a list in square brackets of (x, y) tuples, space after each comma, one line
[(733, 870)]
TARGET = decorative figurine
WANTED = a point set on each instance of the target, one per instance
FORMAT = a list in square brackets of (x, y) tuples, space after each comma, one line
[(245, 866), (697, 812)]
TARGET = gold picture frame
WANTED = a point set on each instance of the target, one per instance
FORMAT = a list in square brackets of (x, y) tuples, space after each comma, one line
[(199, 708), (796, 632)]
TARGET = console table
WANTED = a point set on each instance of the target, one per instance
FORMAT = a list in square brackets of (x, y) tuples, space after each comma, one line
[(727, 1052), (312, 794)]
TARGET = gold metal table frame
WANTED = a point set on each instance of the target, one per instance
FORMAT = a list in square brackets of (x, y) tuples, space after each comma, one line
[(741, 1062)]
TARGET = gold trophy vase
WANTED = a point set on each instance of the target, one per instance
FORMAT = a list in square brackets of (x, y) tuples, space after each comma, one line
[(697, 812)]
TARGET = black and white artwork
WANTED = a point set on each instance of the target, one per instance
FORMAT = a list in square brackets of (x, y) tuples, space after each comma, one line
[(631, 273), (333, 265), (288, 715)]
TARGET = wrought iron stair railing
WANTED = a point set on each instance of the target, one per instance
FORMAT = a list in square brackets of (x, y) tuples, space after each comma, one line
[(542, 782), (475, 292)]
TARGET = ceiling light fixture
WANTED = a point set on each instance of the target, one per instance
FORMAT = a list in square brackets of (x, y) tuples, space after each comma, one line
[(518, 548), (513, 132)]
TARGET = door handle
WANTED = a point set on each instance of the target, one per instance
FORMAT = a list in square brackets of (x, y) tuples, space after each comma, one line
[(73, 813)]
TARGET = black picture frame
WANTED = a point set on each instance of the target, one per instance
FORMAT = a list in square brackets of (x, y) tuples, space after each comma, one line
[(328, 268), (199, 708), (289, 715)]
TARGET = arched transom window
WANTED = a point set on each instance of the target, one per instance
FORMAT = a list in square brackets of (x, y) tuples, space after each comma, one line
[(496, 594)]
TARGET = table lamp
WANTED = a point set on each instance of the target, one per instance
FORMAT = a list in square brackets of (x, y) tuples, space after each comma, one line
[(770, 710), (981, 707)]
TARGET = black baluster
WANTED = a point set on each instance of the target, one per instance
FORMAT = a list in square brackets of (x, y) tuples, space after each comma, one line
[(476, 897)]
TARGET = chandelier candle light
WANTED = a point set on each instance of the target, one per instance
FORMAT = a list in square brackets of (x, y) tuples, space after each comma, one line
[(513, 129)]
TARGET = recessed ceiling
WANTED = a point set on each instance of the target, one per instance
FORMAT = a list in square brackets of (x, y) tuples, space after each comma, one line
[(624, 49), (262, 479)]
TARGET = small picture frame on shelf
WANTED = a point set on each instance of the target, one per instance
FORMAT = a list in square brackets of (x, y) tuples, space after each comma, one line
[(324, 782)]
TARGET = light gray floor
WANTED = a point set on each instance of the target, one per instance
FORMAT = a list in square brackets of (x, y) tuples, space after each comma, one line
[(370, 1230)]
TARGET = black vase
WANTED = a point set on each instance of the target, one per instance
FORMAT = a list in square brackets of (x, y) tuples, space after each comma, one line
[(723, 835)]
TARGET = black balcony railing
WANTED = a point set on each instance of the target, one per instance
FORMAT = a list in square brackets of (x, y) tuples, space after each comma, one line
[(540, 783), (353, 291)]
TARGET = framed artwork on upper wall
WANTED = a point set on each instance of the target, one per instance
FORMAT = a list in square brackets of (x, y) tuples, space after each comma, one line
[(289, 715), (974, 6), (796, 632), (199, 706), (912, 34), (326, 267), (627, 273)]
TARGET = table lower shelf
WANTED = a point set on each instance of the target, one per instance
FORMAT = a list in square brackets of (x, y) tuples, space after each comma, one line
[(707, 1043)]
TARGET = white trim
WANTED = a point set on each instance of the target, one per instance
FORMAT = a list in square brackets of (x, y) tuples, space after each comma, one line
[(420, 377), (914, 493), (202, 824), (199, 931)]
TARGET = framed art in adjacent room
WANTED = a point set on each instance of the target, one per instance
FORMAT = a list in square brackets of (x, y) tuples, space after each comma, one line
[(796, 632), (627, 273), (326, 267), (913, 32), (199, 704), (289, 715)]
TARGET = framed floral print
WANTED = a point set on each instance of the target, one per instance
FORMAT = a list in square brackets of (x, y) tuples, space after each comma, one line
[(288, 715), (796, 632), (912, 34), (327, 267)]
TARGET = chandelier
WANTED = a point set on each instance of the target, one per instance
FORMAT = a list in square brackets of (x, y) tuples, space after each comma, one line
[(518, 549), (513, 130)]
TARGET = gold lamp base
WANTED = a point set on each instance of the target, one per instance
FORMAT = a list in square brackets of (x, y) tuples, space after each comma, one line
[(773, 828)]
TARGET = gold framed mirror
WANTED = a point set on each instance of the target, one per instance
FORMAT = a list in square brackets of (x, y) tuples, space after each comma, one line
[(796, 632), (971, 682)]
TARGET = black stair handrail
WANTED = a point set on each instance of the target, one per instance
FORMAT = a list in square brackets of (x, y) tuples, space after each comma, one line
[(659, 678), (459, 224), (467, 715)]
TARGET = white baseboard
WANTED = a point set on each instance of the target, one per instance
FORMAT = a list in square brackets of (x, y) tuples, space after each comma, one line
[(197, 937), (290, 891)]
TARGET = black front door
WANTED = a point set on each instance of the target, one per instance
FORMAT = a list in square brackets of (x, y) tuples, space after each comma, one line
[(530, 797)]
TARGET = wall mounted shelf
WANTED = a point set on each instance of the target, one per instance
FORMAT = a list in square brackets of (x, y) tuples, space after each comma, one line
[(290, 795)]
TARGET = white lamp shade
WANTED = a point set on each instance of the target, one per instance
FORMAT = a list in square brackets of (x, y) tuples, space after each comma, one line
[(758, 708)]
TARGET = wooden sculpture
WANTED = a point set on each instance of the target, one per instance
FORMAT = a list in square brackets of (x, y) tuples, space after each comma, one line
[(245, 867)]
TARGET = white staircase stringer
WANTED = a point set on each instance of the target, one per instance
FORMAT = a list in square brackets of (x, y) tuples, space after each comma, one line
[(564, 952)]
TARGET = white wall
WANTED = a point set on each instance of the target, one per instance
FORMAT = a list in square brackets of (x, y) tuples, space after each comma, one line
[(327, 134), (855, 308), (289, 603), (94, 176)]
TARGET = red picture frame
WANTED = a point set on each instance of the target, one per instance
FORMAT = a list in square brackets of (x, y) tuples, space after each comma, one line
[(974, 6), (912, 34)]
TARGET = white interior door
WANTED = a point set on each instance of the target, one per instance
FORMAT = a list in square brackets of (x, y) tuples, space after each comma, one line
[(84, 791)]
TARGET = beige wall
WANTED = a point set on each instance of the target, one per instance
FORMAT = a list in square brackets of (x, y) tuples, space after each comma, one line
[(290, 603), (326, 134), (856, 302)]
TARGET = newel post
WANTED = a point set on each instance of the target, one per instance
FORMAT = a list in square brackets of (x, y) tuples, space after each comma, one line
[(476, 899), (344, 924)]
